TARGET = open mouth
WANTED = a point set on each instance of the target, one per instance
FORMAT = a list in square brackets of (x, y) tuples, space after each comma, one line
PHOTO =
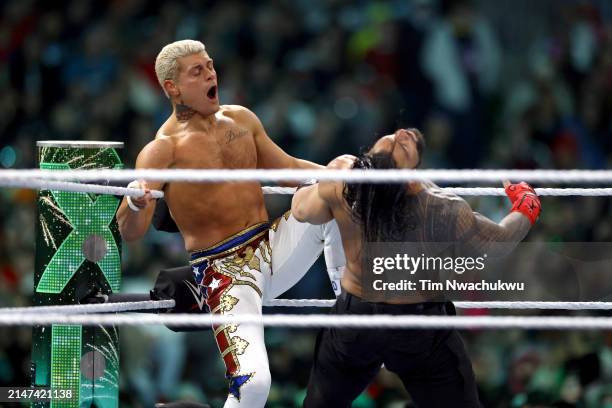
[(212, 92)]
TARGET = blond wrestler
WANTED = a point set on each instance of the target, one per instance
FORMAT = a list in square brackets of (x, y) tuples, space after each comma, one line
[(238, 258)]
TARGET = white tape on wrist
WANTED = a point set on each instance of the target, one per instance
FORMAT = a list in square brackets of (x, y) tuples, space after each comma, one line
[(335, 276), (131, 204)]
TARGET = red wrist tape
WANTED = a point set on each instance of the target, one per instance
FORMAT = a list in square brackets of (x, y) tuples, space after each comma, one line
[(516, 191), (529, 205)]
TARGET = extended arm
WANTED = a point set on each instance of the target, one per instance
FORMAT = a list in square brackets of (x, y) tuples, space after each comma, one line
[(134, 224), (314, 204), (269, 155), (481, 231), (477, 232), (308, 206)]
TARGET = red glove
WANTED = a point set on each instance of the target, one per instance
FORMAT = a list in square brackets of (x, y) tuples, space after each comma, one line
[(524, 200)]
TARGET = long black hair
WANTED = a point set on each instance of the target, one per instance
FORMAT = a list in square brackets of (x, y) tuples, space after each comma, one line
[(385, 212)]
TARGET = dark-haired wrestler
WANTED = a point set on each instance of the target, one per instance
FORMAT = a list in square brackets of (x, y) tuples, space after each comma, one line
[(432, 364)]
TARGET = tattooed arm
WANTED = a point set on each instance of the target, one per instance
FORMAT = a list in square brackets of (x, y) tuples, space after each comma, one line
[(478, 234)]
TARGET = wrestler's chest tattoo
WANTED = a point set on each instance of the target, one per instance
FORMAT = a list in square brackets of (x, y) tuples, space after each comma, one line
[(234, 134)]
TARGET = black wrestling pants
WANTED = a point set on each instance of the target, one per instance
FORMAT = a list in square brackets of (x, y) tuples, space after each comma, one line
[(432, 364)]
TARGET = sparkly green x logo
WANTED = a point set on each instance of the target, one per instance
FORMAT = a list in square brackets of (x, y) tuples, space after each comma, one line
[(88, 217)]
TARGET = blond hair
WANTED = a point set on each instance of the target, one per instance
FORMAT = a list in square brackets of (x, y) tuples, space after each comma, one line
[(166, 65)]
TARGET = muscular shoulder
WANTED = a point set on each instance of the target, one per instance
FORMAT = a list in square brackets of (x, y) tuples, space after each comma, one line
[(241, 115), (438, 194), (159, 153), (342, 162), (452, 210), (234, 109)]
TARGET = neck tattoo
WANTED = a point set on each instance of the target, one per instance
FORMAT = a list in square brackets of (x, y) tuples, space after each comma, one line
[(183, 112)]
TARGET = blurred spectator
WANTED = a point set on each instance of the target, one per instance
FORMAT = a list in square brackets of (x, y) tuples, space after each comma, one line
[(462, 58)]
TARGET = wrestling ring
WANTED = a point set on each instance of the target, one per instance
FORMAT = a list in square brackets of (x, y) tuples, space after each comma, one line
[(143, 311)]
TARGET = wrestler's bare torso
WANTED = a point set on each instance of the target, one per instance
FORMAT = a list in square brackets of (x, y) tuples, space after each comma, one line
[(445, 217), (207, 213), (350, 231)]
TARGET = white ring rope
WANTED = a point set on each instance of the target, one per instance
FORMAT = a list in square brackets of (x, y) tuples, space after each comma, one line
[(312, 321), (492, 191), (41, 184), (523, 305), (136, 192), (169, 304), (92, 308), (279, 175), (486, 191)]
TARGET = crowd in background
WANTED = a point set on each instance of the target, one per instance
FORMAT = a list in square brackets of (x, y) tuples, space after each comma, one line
[(504, 84)]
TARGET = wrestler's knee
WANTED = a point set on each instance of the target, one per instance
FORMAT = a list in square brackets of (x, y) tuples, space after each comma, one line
[(254, 392), (262, 381)]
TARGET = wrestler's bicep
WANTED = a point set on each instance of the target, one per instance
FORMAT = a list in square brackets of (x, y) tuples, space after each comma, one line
[(477, 233), (269, 154), (308, 206), (473, 232), (330, 192)]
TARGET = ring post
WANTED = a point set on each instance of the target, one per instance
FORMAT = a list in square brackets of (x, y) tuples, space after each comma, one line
[(78, 247)]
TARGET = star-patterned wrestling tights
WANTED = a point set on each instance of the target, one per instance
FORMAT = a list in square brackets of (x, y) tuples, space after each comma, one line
[(235, 275)]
